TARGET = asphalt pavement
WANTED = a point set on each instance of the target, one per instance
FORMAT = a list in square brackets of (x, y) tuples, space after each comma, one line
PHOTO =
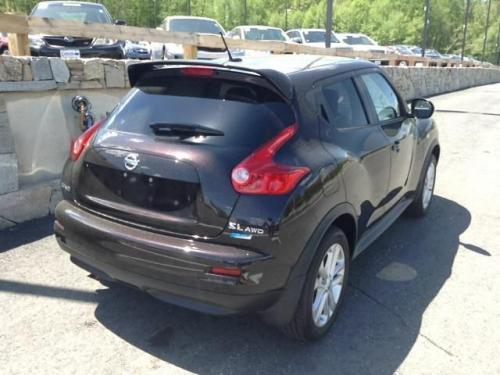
[(423, 299)]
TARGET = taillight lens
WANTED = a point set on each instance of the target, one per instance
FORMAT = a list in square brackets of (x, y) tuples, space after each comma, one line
[(80, 144), (260, 174), (198, 71), (226, 271)]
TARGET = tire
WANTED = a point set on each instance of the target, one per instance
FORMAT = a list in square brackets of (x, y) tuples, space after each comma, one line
[(425, 192), (305, 325)]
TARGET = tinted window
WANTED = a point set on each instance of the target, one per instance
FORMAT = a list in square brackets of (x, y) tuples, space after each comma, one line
[(191, 25), (72, 12), (247, 114), (343, 107), (255, 33), (383, 96), (363, 40), (318, 36)]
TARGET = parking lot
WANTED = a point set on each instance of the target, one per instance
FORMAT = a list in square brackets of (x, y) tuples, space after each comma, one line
[(423, 299)]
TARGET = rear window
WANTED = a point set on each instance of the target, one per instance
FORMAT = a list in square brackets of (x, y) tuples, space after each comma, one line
[(247, 113), (72, 12)]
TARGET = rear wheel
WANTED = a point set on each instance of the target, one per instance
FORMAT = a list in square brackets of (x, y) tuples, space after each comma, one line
[(323, 290), (425, 192)]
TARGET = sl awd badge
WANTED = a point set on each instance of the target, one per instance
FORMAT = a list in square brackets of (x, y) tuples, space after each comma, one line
[(244, 232), (131, 161)]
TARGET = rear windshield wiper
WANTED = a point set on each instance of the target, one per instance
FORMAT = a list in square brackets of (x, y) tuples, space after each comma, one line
[(183, 131)]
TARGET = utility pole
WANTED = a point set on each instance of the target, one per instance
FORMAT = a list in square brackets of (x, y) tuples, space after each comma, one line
[(486, 29), (427, 9), (189, 7), (467, 7), (329, 23), (498, 44)]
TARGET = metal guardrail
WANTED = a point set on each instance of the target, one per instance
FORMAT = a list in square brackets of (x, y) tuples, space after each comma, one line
[(19, 26)]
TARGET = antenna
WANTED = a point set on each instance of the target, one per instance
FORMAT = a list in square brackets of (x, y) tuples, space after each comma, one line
[(231, 58)]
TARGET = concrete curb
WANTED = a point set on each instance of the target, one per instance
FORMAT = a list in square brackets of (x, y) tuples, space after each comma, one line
[(29, 203)]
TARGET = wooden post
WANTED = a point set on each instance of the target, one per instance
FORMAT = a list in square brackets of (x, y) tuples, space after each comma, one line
[(19, 44), (190, 51)]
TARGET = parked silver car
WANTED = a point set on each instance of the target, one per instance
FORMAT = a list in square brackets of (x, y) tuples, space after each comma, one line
[(316, 38), (362, 43), (189, 24)]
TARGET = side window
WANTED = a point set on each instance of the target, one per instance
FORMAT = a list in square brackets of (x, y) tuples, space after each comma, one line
[(343, 108), (383, 96)]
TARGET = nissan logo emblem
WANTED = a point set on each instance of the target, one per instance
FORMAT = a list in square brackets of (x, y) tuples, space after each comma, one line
[(131, 161)]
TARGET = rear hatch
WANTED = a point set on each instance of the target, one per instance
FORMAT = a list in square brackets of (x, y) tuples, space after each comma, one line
[(164, 157)]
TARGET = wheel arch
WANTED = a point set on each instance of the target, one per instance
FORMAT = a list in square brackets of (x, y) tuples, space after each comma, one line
[(342, 216)]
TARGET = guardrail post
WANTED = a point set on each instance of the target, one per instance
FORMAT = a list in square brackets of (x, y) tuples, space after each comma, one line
[(190, 51), (19, 44)]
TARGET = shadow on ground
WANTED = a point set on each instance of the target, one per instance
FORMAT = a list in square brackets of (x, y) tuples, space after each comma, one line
[(391, 286), (25, 233)]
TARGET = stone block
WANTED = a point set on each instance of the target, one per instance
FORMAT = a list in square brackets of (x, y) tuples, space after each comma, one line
[(27, 73), (11, 69), (40, 68), (93, 69), (60, 70), (115, 75)]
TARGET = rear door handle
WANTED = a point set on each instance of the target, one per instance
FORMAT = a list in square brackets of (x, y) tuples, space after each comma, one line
[(395, 146)]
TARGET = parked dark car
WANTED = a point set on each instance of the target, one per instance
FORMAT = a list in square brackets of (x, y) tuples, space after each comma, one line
[(138, 51), (4, 43), (244, 187), (74, 47)]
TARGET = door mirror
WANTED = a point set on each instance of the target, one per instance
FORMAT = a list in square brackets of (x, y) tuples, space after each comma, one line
[(421, 108), (120, 22), (296, 39), (236, 36)]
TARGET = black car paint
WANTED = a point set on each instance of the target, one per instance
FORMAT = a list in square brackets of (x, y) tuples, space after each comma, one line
[(350, 186)]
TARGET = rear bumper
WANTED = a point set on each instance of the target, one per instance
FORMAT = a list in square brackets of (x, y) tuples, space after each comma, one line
[(114, 51), (173, 269)]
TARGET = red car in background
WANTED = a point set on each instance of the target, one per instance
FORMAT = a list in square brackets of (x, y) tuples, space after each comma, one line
[(4, 43)]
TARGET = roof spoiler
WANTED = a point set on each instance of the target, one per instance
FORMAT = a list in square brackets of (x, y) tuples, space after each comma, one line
[(281, 81)]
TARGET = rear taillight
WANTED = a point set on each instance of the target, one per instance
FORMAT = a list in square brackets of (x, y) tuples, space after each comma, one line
[(80, 144), (260, 174)]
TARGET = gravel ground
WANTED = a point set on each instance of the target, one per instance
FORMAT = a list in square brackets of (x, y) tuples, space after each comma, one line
[(424, 298)]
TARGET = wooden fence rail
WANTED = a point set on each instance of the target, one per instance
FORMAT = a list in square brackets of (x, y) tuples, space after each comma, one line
[(19, 27)]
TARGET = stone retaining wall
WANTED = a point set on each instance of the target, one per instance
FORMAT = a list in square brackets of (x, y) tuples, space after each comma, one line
[(37, 121)]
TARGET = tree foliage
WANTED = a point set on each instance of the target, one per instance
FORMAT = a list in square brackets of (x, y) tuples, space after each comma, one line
[(388, 21)]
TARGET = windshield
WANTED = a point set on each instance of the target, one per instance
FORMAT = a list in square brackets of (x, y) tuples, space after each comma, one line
[(72, 12), (318, 36), (255, 33), (190, 25), (351, 39)]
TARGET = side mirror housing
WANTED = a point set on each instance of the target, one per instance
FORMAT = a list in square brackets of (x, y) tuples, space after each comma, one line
[(422, 108), (297, 39), (120, 22)]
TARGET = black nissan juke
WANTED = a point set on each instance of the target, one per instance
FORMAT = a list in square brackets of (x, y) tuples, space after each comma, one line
[(247, 186)]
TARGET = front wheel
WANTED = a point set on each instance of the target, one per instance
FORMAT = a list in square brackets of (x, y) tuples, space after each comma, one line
[(324, 289), (425, 192)]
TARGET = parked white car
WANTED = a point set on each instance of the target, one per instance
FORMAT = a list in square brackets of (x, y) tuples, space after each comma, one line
[(258, 32), (316, 38), (188, 24), (362, 43)]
